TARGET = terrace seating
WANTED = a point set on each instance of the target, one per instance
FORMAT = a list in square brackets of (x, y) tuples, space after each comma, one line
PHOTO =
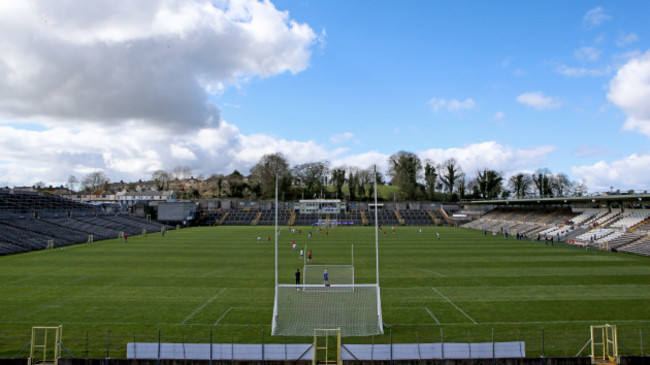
[(63, 234), (594, 235), (624, 239), (268, 217), (26, 240), (98, 232), (415, 217), (629, 220), (639, 247), (585, 216), (240, 218)]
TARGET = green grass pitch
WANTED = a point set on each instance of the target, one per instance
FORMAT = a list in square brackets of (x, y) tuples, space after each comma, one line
[(218, 281)]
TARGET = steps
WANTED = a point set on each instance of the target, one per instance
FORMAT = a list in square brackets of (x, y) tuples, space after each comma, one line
[(256, 219), (292, 220), (433, 217), (223, 218), (399, 217), (446, 216)]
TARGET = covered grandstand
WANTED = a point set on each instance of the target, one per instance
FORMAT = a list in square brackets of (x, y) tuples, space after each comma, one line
[(608, 222)]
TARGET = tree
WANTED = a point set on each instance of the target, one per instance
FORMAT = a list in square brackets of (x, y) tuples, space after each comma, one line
[(182, 172), (489, 183), (95, 180), (338, 179), (404, 169), (365, 183), (520, 184), (460, 188), (353, 182), (580, 188), (542, 180), (161, 178), (219, 185), (451, 173), (236, 184), (561, 185), (72, 182), (312, 175), (430, 177), (265, 171)]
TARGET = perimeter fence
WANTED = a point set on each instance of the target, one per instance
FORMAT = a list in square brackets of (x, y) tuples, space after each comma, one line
[(550, 340)]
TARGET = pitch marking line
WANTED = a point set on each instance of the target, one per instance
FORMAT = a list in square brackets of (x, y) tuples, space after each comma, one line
[(213, 272), (425, 308), (223, 315), (231, 308), (432, 316), (197, 310), (432, 272), (455, 306)]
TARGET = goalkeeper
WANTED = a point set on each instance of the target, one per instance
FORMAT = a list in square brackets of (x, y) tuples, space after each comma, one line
[(326, 278)]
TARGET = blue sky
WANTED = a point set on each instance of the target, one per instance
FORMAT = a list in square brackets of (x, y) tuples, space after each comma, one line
[(513, 86), (382, 64)]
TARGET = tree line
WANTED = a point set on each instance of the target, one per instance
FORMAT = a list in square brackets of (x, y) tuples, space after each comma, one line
[(414, 179)]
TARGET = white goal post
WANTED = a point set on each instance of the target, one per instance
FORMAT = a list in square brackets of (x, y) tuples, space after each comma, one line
[(354, 308)]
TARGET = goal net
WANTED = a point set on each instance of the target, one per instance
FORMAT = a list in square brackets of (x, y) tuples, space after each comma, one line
[(355, 309)]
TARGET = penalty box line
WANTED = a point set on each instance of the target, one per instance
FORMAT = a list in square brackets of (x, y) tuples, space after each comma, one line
[(455, 306), (197, 310), (425, 308), (231, 308)]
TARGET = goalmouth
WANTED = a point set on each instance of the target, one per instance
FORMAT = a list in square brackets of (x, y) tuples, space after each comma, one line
[(355, 309)]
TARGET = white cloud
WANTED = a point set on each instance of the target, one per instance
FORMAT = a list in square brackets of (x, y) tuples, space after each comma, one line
[(498, 115), (492, 155), (595, 17), (364, 160), (451, 105), (182, 153), (126, 87), (340, 138), (587, 54), (630, 91), (628, 173), (62, 151), (590, 151), (583, 72), (75, 62), (625, 39), (538, 101)]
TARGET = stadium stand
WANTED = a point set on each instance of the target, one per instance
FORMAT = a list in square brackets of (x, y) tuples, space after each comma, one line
[(639, 247), (416, 217), (613, 230), (31, 221), (240, 218)]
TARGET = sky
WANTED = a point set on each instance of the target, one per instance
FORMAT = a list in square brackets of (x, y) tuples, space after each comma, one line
[(131, 87)]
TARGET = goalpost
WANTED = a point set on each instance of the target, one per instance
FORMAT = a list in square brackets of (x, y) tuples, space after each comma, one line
[(354, 308)]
